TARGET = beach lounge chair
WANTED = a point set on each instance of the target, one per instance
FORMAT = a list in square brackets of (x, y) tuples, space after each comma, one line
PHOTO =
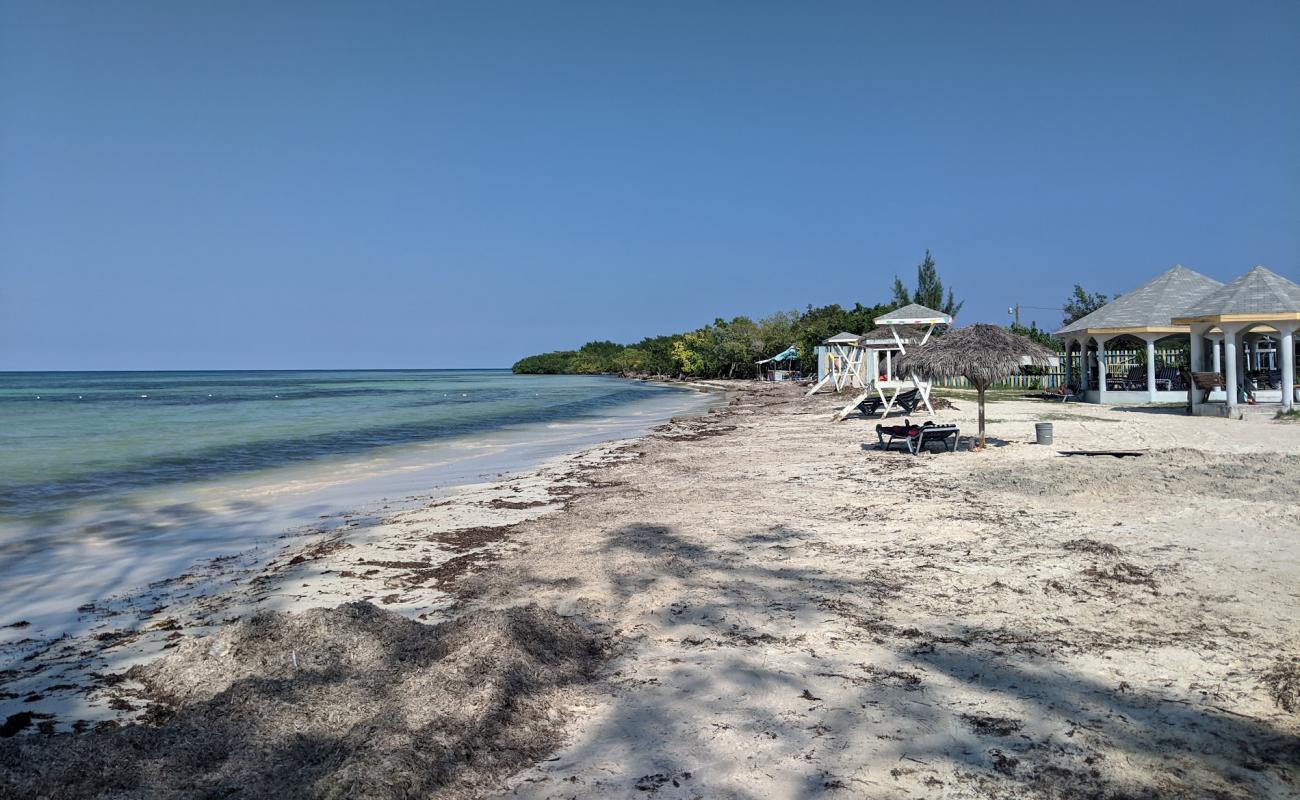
[(1168, 380), (907, 401), (1136, 378), (1063, 393), (917, 436)]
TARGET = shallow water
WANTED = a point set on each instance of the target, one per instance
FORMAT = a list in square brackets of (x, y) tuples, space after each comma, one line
[(109, 481), (68, 436)]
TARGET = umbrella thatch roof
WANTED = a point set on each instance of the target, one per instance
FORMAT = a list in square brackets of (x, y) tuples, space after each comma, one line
[(980, 353), (882, 335)]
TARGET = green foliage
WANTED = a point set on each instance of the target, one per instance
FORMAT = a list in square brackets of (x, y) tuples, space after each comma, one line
[(1032, 331), (724, 349), (816, 325), (1081, 304), (929, 289), (901, 295), (556, 363), (730, 348)]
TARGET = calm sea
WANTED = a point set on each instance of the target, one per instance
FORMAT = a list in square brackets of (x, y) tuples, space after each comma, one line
[(110, 481), (68, 436)]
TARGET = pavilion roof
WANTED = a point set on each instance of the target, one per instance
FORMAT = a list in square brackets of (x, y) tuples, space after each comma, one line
[(914, 314), (1259, 291), (842, 338), (1153, 305)]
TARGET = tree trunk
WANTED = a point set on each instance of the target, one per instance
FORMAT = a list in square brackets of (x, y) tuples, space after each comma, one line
[(980, 393)]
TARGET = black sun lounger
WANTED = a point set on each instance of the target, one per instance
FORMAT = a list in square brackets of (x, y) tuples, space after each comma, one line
[(916, 436), (1063, 393), (907, 401)]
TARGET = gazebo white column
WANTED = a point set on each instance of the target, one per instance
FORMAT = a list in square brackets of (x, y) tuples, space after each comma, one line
[(1101, 371), (1230, 363), (1085, 377), (1286, 352), (1151, 367), (1217, 341), (1197, 359)]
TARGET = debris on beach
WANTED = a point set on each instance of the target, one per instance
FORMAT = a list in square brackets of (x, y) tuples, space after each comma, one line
[(348, 702), (1283, 684)]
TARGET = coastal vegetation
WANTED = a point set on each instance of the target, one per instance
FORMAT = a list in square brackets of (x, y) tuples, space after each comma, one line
[(730, 348)]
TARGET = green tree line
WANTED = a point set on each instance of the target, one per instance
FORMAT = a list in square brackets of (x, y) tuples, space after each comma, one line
[(730, 348)]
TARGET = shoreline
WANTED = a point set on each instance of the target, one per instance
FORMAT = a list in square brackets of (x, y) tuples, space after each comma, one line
[(772, 607), (360, 551)]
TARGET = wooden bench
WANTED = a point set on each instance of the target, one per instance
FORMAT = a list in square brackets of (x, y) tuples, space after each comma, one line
[(1207, 382)]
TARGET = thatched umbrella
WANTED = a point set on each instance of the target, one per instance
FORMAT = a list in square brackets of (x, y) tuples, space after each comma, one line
[(982, 354)]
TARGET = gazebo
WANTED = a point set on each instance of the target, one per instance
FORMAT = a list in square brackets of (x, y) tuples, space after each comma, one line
[(1148, 314), (1261, 302)]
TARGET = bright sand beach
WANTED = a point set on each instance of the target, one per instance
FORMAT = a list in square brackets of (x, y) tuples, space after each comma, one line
[(753, 603)]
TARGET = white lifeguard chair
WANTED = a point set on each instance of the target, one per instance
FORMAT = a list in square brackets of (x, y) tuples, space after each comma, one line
[(909, 326), (844, 362)]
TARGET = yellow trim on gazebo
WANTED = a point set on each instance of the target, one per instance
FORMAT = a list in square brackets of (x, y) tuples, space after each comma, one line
[(1261, 316), (1171, 329)]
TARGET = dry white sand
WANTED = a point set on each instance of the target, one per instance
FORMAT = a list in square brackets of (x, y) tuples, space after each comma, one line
[(801, 615), (792, 614)]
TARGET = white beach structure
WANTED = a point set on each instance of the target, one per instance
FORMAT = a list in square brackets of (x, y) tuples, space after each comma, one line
[(843, 360), (1259, 304), (1147, 315), (909, 326)]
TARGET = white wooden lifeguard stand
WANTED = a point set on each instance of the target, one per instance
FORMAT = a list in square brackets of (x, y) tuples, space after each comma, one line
[(843, 364), (910, 325)]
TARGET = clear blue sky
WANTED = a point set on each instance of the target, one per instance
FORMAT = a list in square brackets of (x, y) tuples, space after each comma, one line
[(274, 184)]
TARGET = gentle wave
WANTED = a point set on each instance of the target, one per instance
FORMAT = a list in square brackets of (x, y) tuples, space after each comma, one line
[(97, 434)]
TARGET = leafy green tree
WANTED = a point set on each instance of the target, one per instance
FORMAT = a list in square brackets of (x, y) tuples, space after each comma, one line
[(929, 289), (658, 352), (726, 348), (557, 363), (1032, 331), (777, 332), (901, 296), (1080, 304), (693, 354), (632, 360)]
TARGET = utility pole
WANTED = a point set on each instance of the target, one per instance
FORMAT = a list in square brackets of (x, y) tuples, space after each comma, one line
[(1014, 311)]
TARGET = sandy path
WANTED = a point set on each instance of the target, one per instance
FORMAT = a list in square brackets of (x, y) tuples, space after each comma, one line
[(799, 615)]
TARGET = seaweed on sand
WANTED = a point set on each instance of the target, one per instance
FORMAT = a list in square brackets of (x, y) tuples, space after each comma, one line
[(352, 702), (1283, 683)]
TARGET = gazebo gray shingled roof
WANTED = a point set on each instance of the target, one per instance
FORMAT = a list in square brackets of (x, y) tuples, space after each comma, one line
[(842, 337), (1150, 308), (1260, 295), (912, 314)]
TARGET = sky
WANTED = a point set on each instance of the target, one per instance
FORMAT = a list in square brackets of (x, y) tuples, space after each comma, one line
[(245, 185)]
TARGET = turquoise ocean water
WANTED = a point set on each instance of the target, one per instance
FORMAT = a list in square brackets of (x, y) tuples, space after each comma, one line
[(66, 437), (111, 480)]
